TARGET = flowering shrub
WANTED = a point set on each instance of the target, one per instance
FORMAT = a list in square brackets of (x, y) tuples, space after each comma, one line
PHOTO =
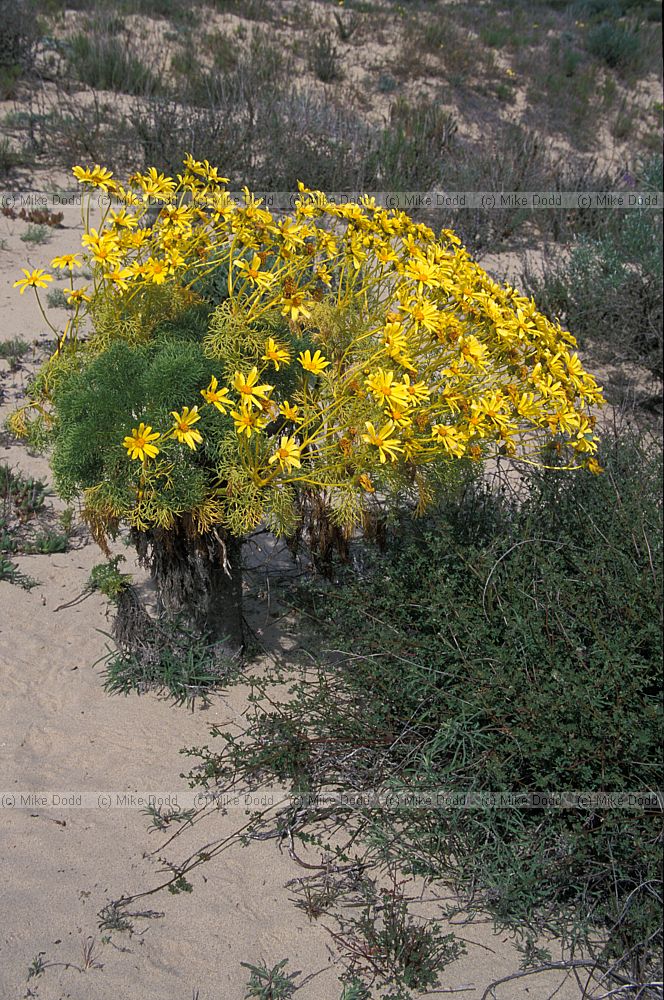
[(220, 359)]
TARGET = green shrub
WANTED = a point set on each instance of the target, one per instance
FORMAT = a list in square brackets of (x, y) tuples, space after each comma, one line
[(617, 45), (609, 290), (18, 38), (410, 151), (497, 645), (517, 646), (100, 59)]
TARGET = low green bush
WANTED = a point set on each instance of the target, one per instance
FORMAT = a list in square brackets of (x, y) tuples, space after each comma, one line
[(617, 45), (500, 644), (102, 60), (510, 646), (608, 291)]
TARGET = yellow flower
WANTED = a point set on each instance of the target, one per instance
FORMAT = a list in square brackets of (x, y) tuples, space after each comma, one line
[(292, 233), (157, 271), (178, 217), (276, 353), (385, 390), (246, 421), (123, 219), (563, 422), (290, 412), (33, 279), (75, 295), (217, 397), (139, 442), (474, 351), (365, 482), (387, 447), (252, 272), (103, 246), (287, 454), (423, 313), (69, 260), (450, 438), (119, 277), (183, 428), (294, 306), (423, 272), (315, 365), (211, 174), (250, 393), (417, 392), (395, 339), (593, 466), (154, 185), (98, 177)]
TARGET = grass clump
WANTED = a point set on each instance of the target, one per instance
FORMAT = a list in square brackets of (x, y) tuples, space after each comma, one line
[(154, 654), (386, 948), (324, 59), (18, 39), (270, 983), (105, 62), (170, 660), (13, 351)]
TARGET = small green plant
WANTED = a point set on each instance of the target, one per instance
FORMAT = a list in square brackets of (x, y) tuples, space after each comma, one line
[(48, 543), (324, 59), (385, 947), (13, 350), (56, 299), (161, 654), (355, 989), (347, 24), (10, 572), (163, 817), (10, 157), (270, 984), (36, 234), (108, 580), (17, 44), (386, 84), (37, 966)]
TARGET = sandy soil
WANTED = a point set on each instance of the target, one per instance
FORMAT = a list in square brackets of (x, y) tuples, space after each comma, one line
[(61, 733)]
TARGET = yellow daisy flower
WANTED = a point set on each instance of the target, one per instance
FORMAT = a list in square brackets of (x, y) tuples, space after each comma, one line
[(76, 295), (387, 447), (183, 428), (287, 454), (450, 438), (315, 365), (33, 279), (217, 397), (66, 260), (276, 353), (290, 411), (139, 442), (251, 394), (247, 421)]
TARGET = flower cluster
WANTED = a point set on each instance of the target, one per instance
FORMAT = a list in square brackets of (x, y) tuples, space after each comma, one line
[(350, 342)]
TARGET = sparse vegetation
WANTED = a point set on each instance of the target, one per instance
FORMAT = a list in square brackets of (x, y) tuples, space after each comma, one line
[(26, 524), (508, 641)]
